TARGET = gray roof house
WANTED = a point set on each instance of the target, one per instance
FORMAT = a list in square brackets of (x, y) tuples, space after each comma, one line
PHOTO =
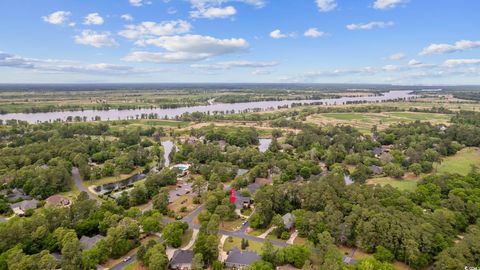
[(20, 207), (288, 221), (376, 169), (240, 259), (181, 260), (89, 242)]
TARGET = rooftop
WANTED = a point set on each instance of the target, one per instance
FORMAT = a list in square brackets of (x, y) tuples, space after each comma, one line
[(237, 257), (181, 257), (89, 242)]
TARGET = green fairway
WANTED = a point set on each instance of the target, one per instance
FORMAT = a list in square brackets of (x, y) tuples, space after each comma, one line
[(461, 162)]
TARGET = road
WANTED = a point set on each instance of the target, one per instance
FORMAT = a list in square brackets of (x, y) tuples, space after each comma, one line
[(241, 233), (79, 184)]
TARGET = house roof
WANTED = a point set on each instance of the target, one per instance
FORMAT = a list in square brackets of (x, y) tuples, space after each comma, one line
[(57, 200), (377, 150), (288, 220), (25, 205), (263, 181), (376, 169), (238, 257), (182, 257), (89, 242)]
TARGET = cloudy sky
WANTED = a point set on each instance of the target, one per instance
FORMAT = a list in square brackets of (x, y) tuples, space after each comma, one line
[(324, 41)]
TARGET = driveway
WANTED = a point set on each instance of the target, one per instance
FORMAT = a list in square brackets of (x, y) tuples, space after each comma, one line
[(79, 184)]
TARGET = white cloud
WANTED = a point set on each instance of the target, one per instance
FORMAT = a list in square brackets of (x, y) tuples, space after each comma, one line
[(97, 40), (388, 4), (213, 9), (313, 32), (186, 48), (93, 18), (127, 17), (461, 62), (390, 68), (58, 17), (461, 45), (151, 29), (139, 3), (369, 26), (277, 34), (234, 64), (414, 62), (214, 12), (65, 66), (397, 56), (259, 72), (326, 5)]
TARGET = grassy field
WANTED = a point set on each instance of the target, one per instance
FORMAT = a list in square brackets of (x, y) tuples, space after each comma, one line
[(231, 225), (365, 121), (186, 237), (461, 162), (236, 242), (408, 183), (185, 203)]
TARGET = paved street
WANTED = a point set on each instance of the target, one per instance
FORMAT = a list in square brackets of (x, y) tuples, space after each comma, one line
[(79, 184)]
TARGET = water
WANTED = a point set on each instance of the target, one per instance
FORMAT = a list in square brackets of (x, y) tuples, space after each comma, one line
[(213, 107), (110, 187), (167, 147), (264, 144), (348, 180)]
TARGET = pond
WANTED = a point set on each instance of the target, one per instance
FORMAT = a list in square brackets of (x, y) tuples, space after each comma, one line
[(167, 149), (89, 115), (264, 144)]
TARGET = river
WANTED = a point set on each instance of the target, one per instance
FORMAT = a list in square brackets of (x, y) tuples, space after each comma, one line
[(90, 115)]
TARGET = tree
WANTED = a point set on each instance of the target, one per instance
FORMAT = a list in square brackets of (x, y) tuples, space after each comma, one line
[(161, 201), (197, 263), (71, 252), (157, 258), (416, 168), (173, 232), (361, 174), (151, 224), (261, 265), (393, 170), (383, 255)]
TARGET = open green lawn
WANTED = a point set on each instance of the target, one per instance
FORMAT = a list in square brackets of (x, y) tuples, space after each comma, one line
[(461, 162), (404, 184), (187, 236), (236, 242)]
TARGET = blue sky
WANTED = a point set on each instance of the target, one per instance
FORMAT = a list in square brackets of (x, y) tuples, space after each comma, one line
[(323, 41)]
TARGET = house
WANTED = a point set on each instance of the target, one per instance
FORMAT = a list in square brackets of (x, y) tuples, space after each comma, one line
[(287, 147), (21, 207), (241, 172), (57, 200), (377, 151), (181, 260), (264, 181), (241, 201), (240, 259), (15, 195), (89, 242), (376, 169), (288, 221)]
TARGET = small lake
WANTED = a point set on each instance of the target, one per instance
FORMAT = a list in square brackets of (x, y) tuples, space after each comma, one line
[(264, 144), (90, 115), (167, 149)]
